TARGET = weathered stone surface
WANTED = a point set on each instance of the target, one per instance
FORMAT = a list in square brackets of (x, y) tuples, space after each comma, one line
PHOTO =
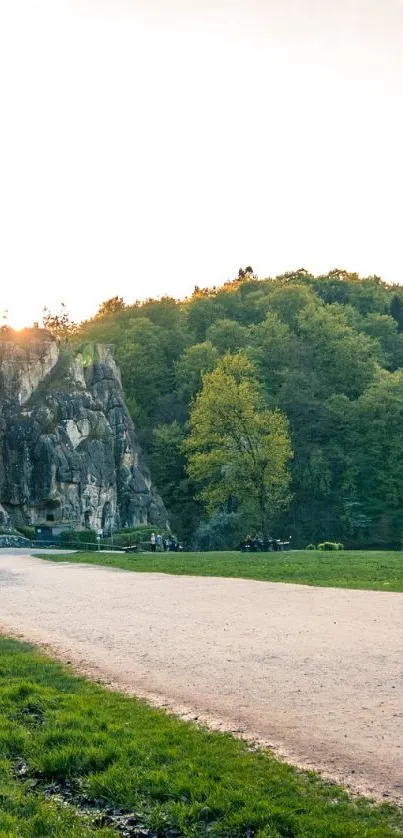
[(68, 449), (14, 541), (4, 518)]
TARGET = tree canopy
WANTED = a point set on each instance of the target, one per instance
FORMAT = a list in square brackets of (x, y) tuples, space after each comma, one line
[(326, 357), (238, 449)]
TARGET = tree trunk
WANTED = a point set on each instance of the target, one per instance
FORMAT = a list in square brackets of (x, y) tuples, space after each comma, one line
[(263, 511)]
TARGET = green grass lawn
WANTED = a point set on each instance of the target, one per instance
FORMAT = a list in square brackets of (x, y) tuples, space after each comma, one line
[(59, 732), (373, 570)]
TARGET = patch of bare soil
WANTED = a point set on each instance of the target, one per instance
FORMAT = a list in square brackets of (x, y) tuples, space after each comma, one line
[(314, 673)]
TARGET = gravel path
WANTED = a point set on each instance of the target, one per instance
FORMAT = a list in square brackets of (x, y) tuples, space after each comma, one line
[(317, 673)]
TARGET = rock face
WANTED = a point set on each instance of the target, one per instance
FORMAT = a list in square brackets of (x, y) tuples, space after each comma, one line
[(68, 449), (14, 541)]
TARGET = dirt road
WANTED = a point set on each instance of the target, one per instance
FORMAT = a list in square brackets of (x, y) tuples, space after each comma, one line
[(315, 672)]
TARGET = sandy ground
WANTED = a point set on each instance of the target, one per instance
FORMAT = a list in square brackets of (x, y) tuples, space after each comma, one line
[(316, 673)]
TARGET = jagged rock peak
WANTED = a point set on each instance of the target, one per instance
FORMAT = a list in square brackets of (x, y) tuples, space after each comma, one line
[(68, 448)]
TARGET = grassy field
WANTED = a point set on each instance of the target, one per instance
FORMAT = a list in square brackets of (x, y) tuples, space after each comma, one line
[(372, 570), (77, 760)]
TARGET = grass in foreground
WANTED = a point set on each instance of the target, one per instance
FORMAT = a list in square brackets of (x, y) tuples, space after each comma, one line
[(174, 779), (371, 570)]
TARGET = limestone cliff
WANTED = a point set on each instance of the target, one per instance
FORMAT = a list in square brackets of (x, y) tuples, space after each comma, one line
[(68, 449)]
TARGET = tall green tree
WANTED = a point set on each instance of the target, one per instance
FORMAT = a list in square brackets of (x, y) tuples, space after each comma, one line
[(320, 346), (198, 359), (168, 468), (227, 335), (59, 323), (111, 306), (344, 360), (237, 447)]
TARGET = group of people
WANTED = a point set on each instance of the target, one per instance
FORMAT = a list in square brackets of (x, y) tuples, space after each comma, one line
[(169, 544), (255, 544)]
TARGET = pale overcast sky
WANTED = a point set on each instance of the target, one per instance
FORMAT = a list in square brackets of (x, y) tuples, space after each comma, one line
[(150, 146)]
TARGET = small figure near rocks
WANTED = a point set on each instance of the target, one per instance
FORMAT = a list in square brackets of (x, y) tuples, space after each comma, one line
[(153, 542), (171, 545)]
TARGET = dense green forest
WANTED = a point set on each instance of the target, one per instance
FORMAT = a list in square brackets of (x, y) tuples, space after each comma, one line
[(327, 353)]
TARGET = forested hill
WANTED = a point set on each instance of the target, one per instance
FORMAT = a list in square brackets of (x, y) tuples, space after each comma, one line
[(328, 352)]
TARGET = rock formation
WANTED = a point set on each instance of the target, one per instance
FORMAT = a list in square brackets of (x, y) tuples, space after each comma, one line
[(68, 449)]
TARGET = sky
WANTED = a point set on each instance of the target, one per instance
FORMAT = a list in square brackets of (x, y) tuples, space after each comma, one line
[(148, 146)]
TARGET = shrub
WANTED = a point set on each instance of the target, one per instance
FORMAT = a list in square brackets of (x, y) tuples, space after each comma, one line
[(134, 535), (139, 532), (78, 537), (27, 531), (121, 538), (329, 545), (311, 547), (340, 546), (223, 531)]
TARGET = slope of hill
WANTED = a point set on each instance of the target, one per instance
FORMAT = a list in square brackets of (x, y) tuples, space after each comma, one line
[(328, 352)]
